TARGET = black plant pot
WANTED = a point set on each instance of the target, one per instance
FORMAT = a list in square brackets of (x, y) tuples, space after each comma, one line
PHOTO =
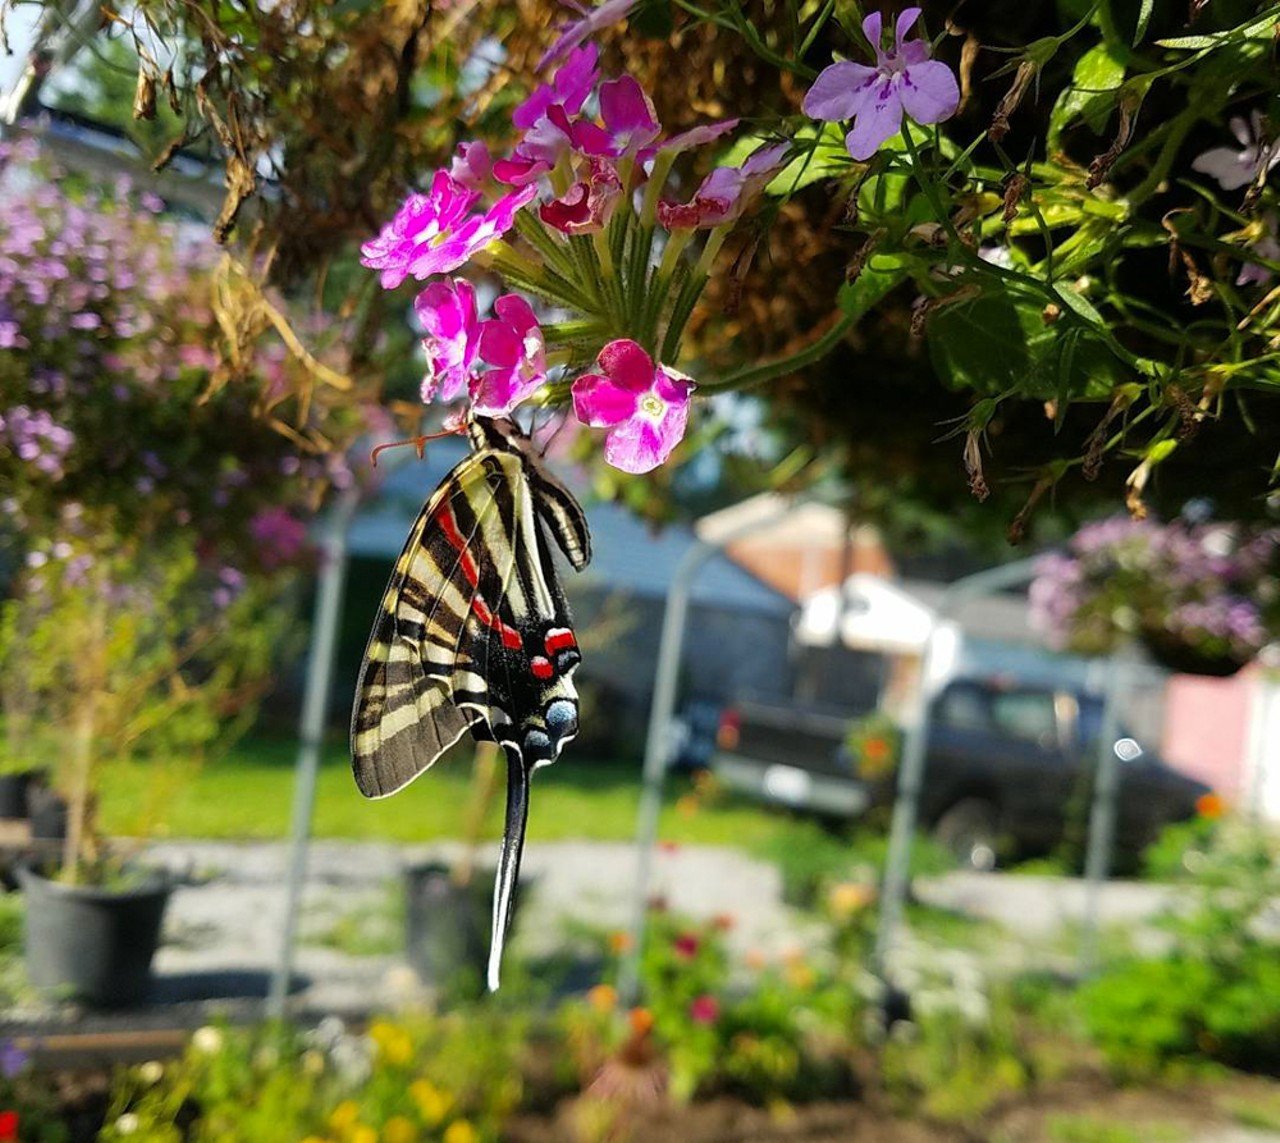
[(13, 792), (47, 810), (92, 944), (1182, 659), (447, 928)]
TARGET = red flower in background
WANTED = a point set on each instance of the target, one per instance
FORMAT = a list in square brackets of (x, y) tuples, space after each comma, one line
[(8, 1127), (704, 1010), (686, 946)]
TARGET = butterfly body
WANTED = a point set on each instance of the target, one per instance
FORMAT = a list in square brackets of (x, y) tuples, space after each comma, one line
[(474, 633)]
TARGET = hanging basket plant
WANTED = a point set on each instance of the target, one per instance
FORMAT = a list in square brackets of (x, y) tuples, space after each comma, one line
[(1203, 599)]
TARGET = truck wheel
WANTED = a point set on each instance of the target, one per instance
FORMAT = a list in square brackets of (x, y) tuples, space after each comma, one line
[(970, 831)]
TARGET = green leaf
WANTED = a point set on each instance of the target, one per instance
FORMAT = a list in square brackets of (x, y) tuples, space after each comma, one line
[(878, 277), (1144, 19), (826, 159), (1263, 28), (1092, 93), (1000, 344)]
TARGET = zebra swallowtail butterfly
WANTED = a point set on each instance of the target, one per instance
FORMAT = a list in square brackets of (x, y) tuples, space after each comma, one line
[(473, 633)]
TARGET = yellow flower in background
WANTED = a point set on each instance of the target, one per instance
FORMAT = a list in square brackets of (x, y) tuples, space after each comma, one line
[(798, 974), (364, 1134), (619, 942), (343, 1117), (433, 1104), (461, 1132), (848, 898), (603, 997), (394, 1044), (398, 1129), (687, 805), (314, 1139)]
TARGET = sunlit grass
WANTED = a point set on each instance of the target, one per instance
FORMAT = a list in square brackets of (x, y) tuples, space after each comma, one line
[(249, 793)]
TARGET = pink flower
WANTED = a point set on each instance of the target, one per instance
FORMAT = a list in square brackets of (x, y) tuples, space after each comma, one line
[(686, 946), (630, 122), (725, 193), (472, 165), (280, 536), (588, 204), (698, 136), (512, 345), (1236, 168), (704, 1010), (573, 33), (904, 80), (545, 120), (435, 233), (569, 89), (644, 407), (447, 311)]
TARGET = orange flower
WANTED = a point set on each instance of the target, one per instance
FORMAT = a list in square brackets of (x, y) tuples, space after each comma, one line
[(687, 805), (1211, 806), (641, 1020), (619, 942), (603, 997), (723, 922), (875, 750), (755, 959)]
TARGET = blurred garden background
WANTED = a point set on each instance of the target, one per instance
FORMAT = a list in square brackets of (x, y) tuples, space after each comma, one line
[(928, 769)]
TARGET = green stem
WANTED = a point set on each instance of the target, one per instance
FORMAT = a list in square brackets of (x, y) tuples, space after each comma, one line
[(815, 351)]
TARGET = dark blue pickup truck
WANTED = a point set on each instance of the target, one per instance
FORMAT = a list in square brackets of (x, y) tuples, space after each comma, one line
[(1006, 768)]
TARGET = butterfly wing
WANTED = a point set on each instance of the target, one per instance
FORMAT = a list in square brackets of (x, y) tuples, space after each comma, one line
[(404, 716)]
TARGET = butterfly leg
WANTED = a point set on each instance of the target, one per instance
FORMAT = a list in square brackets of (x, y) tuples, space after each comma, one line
[(504, 890)]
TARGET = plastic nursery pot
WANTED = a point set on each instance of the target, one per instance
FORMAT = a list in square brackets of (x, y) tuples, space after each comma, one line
[(1184, 659), (47, 810), (13, 792), (93, 944), (447, 927)]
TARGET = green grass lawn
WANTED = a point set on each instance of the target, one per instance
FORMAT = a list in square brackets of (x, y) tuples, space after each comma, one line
[(248, 795)]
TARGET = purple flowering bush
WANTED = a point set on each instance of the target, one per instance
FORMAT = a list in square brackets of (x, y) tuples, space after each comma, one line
[(153, 514), (1202, 597)]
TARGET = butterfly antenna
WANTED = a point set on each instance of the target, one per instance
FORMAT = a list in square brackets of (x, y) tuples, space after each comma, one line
[(504, 889), (419, 444)]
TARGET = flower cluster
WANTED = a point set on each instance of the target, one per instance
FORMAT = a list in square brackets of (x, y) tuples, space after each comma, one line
[(113, 424), (1211, 588), (585, 186)]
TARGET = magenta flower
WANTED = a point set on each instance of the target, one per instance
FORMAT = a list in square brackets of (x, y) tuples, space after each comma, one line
[(447, 311), (686, 944), (512, 346), (545, 120), (630, 122), (725, 193), (280, 536), (569, 89), (436, 232), (904, 80), (472, 165), (588, 204), (573, 33), (705, 1009), (1236, 168), (645, 407)]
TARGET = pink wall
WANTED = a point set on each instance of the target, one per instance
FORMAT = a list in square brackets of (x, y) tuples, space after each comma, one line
[(1206, 724)]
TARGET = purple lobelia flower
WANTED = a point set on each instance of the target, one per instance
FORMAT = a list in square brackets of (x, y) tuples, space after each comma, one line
[(904, 80), (588, 23), (511, 344), (436, 232), (588, 204), (645, 407), (1234, 168), (725, 193), (447, 311), (1255, 273)]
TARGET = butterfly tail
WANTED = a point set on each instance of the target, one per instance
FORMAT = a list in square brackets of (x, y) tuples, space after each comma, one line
[(504, 891)]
